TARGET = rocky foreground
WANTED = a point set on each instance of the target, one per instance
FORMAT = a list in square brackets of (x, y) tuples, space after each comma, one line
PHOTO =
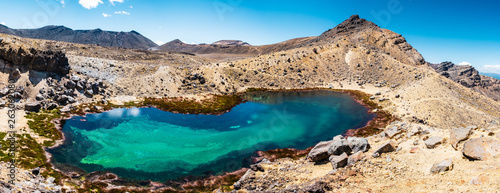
[(446, 138)]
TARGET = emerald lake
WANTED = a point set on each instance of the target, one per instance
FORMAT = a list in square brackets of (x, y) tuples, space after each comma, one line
[(147, 143)]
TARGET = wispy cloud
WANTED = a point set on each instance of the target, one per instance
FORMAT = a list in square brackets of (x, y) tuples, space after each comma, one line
[(490, 69), (113, 1), (62, 2), (464, 63), (106, 15), (122, 13), (131, 7), (90, 4)]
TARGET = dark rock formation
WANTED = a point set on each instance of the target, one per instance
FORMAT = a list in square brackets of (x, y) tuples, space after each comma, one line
[(34, 107), (100, 37), (469, 77), (33, 59)]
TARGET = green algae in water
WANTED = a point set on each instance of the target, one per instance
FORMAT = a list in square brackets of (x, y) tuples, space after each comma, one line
[(147, 143)]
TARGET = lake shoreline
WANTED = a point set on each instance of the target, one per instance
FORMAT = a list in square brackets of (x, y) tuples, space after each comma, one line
[(270, 154)]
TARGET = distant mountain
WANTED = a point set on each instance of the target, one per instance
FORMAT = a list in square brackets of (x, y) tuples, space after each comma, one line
[(131, 39), (237, 47), (469, 77)]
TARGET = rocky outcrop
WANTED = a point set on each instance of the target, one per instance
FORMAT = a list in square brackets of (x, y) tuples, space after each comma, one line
[(469, 77), (34, 59), (481, 148)]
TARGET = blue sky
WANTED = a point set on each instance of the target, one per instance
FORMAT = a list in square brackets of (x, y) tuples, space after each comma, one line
[(458, 31)]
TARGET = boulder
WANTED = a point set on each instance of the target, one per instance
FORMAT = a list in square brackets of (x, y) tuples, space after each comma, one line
[(257, 167), (71, 99), (17, 95), (358, 144), (459, 134), (389, 146), (4, 91), (319, 151), (39, 97), (80, 85), (75, 78), (338, 161), (62, 99), (15, 74), (203, 80), (89, 93), (433, 142), (35, 171), (95, 87), (51, 106), (442, 166), (70, 84), (339, 147), (481, 148), (392, 131), (356, 157), (33, 107)]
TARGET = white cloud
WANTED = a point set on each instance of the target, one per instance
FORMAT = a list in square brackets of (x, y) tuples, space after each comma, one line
[(106, 15), (89, 4), (465, 63), (159, 42), (3, 23), (490, 69), (113, 1), (131, 7), (122, 12), (62, 2)]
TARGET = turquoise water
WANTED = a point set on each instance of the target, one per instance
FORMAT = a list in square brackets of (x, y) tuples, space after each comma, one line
[(147, 143)]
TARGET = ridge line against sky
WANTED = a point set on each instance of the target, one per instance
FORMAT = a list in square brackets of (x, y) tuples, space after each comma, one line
[(463, 32)]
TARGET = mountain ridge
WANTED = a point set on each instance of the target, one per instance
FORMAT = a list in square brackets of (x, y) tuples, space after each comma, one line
[(131, 40)]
